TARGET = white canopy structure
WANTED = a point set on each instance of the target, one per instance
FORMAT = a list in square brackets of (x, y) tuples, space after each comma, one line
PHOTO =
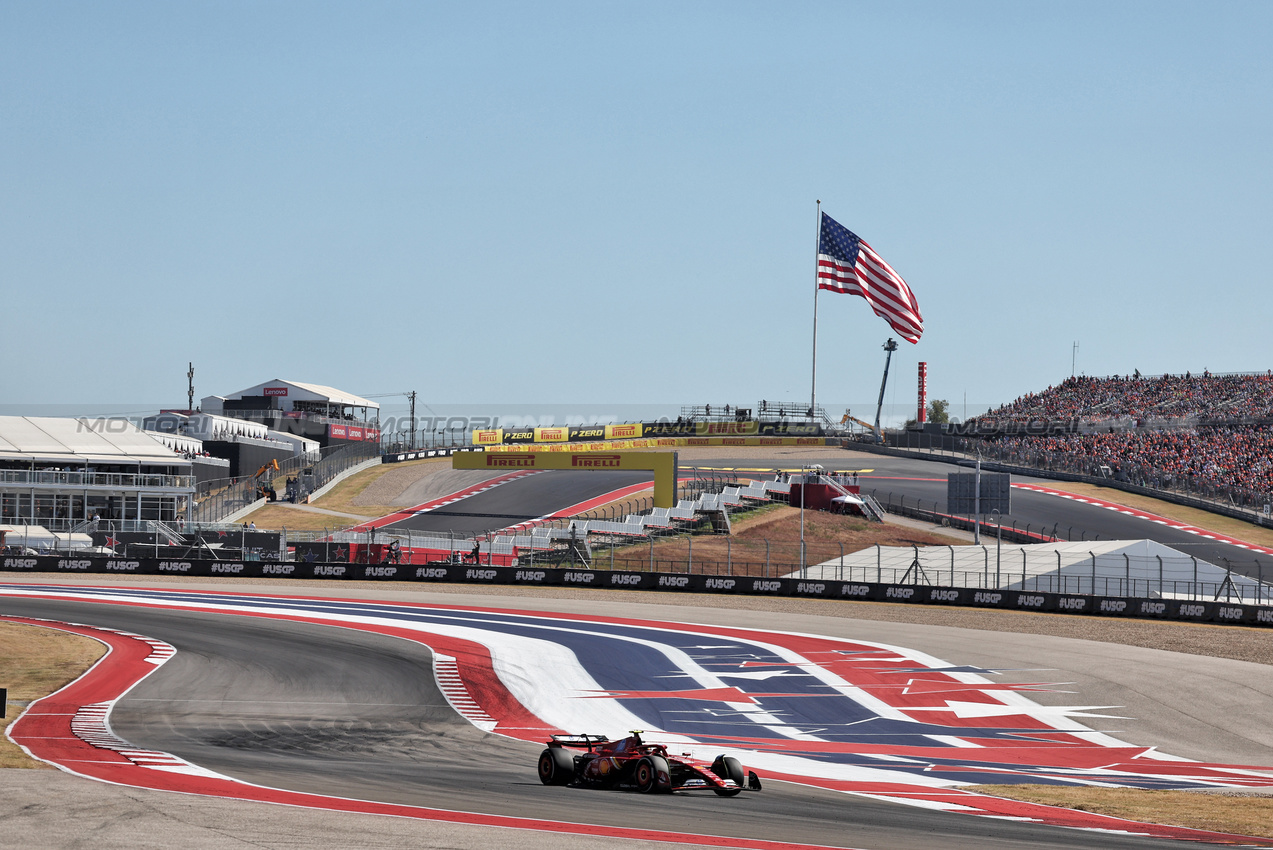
[(77, 442)]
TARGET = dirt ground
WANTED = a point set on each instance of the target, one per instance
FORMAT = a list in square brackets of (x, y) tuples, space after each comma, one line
[(767, 541)]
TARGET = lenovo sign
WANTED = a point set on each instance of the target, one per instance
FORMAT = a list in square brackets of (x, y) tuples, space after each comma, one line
[(274, 391)]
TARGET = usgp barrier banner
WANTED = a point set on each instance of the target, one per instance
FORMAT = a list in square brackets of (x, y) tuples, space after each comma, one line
[(628, 581), (1113, 606), (1067, 604), (318, 570), (811, 587), (1232, 613), (944, 596), (991, 598), (1024, 601)]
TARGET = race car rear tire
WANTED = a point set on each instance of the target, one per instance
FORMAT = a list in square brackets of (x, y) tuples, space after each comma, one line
[(727, 767), (646, 775), (556, 766)]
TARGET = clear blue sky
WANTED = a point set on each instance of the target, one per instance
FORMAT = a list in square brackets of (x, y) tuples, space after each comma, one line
[(602, 203)]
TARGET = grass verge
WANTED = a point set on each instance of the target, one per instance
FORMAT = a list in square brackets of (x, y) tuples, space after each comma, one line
[(35, 662), (1214, 812), (339, 498), (274, 517)]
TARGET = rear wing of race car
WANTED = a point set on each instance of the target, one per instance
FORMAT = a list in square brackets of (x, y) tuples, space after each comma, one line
[(580, 740)]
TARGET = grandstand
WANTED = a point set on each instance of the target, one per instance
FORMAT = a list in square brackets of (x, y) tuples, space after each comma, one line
[(1207, 434), (1137, 401)]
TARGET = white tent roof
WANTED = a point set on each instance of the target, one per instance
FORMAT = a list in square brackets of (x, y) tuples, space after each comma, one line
[(335, 396), (76, 441), (316, 392)]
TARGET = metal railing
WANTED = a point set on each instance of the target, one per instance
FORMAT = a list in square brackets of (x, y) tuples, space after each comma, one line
[(114, 480), (216, 500)]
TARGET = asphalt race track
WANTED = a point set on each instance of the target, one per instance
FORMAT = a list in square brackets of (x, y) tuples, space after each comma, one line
[(520, 500), (333, 711)]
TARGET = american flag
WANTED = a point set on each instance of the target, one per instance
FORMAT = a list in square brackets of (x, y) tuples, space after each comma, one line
[(847, 264)]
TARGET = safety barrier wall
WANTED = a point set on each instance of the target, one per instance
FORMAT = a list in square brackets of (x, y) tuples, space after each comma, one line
[(1220, 612)]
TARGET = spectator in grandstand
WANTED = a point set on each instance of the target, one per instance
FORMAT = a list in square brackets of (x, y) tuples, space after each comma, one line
[(1166, 398), (1236, 460)]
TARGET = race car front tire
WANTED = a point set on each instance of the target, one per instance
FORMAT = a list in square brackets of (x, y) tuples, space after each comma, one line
[(556, 766), (727, 767), (652, 775)]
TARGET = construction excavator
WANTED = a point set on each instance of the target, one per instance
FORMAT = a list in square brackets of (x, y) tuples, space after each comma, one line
[(847, 418), (870, 429), (265, 488)]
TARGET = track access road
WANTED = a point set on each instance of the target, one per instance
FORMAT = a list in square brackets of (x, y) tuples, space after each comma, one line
[(333, 711)]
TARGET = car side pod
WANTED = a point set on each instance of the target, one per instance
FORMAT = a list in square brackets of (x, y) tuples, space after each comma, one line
[(753, 781)]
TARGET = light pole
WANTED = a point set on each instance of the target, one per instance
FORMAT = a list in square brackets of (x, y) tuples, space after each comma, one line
[(804, 480), (816, 469), (976, 501), (998, 543)]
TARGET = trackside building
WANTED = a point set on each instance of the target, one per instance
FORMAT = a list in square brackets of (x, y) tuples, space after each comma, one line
[(314, 411), (60, 472)]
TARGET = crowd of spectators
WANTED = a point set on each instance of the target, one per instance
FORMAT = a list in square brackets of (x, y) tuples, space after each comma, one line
[(1233, 460), (1133, 397)]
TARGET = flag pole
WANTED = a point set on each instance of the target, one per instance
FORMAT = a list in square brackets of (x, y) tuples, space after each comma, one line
[(813, 390)]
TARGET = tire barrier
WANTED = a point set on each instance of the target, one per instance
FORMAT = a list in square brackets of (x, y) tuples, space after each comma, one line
[(1199, 611)]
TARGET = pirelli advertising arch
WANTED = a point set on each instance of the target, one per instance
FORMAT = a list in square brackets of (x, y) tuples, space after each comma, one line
[(662, 464)]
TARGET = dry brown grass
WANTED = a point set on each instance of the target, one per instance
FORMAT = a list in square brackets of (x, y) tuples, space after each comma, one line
[(769, 540), (274, 517), (1214, 812), (340, 498), (35, 662)]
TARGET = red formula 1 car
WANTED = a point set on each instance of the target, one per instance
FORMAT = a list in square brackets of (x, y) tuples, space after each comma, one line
[(597, 762)]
